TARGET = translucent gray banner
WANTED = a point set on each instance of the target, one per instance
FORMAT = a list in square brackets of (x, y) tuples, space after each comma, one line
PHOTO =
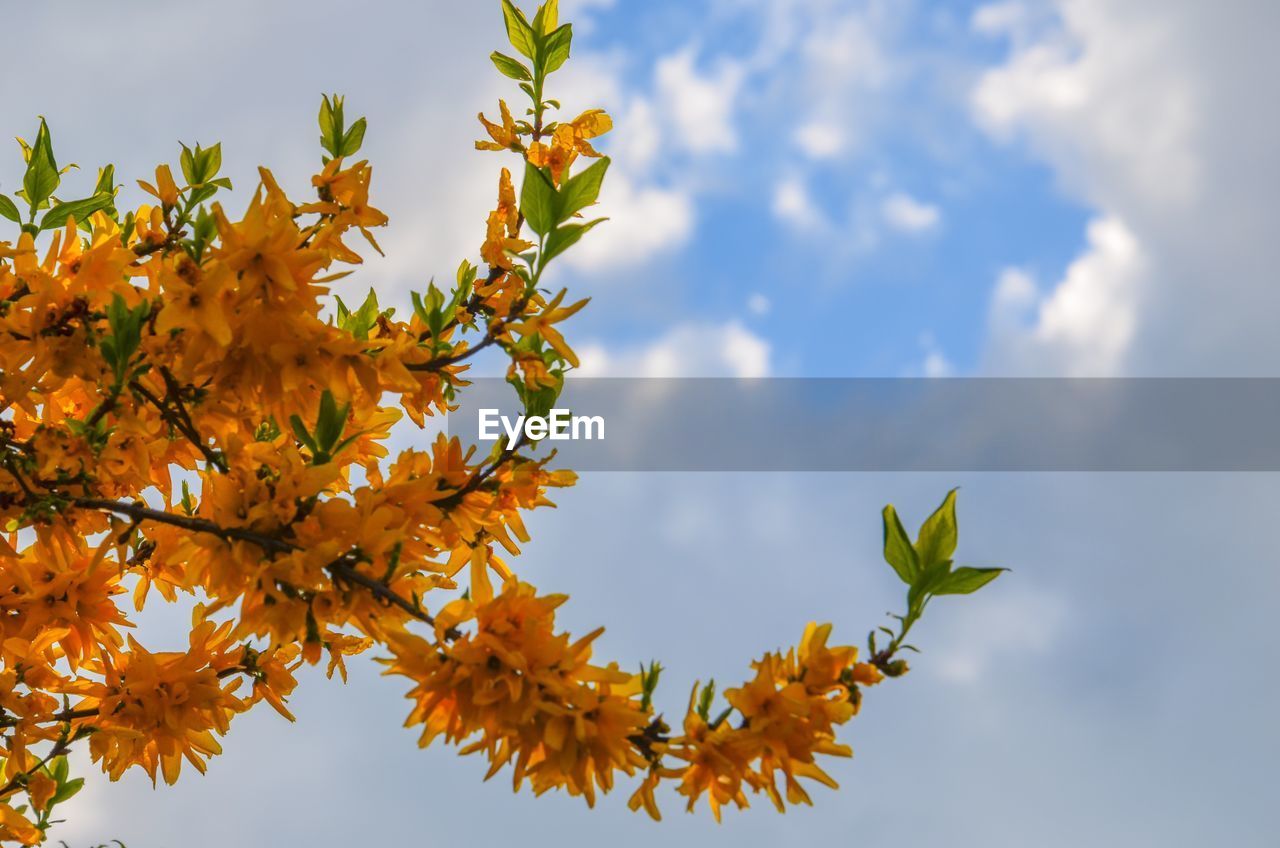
[(979, 424)]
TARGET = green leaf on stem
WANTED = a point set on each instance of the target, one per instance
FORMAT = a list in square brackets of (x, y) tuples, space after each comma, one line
[(510, 67), (519, 32), (898, 550), (555, 49), (77, 210), (564, 236), (966, 580), (42, 177), (581, 190), (939, 533), (538, 199), (9, 209)]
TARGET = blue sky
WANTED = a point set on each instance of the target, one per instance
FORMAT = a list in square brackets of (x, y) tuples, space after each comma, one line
[(800, 187), (799, 197)]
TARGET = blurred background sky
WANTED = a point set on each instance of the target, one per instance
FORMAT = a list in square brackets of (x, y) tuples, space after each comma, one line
[(809, 188)]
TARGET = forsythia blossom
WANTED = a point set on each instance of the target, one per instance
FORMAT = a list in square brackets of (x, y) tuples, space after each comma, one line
[(188, 412)]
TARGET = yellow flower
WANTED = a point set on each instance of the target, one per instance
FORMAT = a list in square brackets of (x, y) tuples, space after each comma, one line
[(15, 826), (501, 235), (155, 710), (569, 140), (225, 441), (542, 323), (195, 300), (718, 760), (505, 136), (56, 589), (165, 189), (41, 788)]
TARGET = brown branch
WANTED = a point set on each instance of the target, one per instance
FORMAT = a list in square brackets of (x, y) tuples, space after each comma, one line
[(19, 780), (185, 427), (64, 716), (490, 336), (140, 512), (342, 569), (453, 359)]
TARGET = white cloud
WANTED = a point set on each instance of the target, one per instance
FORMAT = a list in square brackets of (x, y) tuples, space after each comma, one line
[(1084, 326), (1015, 291), (686, 350), (570, 9), (1003, 18), (1150, 112), (701, 107), (1092, 311), (935, 363), (643, 222), (758, 304), (650, 200), (1110, 99), (996, 626), (792, 204), (906, 214), (636, 138), (820, 140), (646, 218), (847, 50)]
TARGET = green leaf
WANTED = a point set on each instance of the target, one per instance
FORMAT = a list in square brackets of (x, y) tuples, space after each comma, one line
[(431, 310), (519, 32), (327, 118), (510, 67), (649, 682), (331, 422), (581, 190), (332, 125), (201, 194), (926, 584), (705, 699), (550, 14), (125, 325), (106, 180), (187, 160), (555, 49), (42, 178), (210, 161), (563, 237), (80, 210), (966, 580), (300, 430), (202, 232), (67, 790), (353, 138), (538, 199), (9, 209), (540, 401), (939, 533), (898, 551), (360, 322)]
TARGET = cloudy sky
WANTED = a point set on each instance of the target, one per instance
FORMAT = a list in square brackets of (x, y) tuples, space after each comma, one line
[(804, 188)]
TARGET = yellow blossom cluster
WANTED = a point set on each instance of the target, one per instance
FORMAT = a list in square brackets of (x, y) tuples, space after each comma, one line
[(187, 412)]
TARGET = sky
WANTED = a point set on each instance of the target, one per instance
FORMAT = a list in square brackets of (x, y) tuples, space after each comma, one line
[(799, 188)]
